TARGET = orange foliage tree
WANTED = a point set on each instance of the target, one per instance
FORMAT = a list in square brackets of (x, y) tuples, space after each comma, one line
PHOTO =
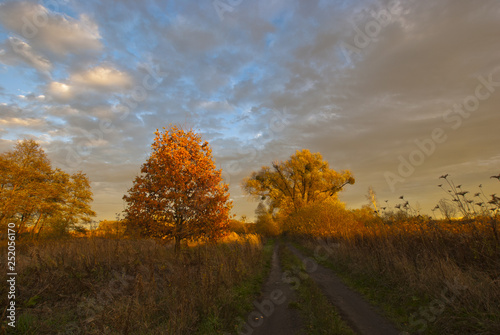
[(179, 192)]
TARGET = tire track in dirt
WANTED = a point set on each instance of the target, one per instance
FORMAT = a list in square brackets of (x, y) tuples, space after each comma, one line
[(362, 317), (272, 314)]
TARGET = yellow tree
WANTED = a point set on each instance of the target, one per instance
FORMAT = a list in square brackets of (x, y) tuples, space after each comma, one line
[(69, 202), (32, 193), (304, 178), (179, 192), (111, 228), (25, 173)]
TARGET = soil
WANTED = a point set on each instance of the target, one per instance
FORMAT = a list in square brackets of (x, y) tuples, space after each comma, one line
[(273, 315), (280, 319), (361, 316)]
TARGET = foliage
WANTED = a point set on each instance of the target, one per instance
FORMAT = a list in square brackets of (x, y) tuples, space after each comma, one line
[(37, 196), (265, 223), (179, 192), (267, 226), (110, 228), (303, 179), (320, 219), (241, 238), (432, 276)]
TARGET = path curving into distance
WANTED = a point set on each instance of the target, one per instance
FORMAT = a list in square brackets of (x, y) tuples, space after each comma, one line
[(362, 317)]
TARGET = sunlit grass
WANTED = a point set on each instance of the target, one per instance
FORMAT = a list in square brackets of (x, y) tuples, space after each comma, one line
[(411, 264), (405, 266), (96, 286)]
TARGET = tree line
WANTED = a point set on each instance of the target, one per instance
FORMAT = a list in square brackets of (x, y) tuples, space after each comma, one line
[(179, 193)]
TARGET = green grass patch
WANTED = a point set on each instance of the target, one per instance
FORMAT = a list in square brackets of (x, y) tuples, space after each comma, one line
[(25, 324)]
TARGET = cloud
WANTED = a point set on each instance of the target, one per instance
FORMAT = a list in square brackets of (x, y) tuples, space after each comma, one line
[(60, 91), (16, 51), (90, 83), (270, 78), (49, 31), (17, 122), (102, 78)]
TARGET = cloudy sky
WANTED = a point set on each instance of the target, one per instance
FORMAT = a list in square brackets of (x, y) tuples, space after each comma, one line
[(399, 92)]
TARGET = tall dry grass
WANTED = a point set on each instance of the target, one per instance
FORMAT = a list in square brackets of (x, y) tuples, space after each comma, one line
[(438, 276), (102, 286)]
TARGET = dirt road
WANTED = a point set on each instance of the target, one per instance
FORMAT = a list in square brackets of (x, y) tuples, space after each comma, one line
[(362, 317), (272, 314)]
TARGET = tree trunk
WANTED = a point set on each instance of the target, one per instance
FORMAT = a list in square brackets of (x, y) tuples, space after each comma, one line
[(22, 224), (178, 234), (177, 247), (40, 230), (36, 226)]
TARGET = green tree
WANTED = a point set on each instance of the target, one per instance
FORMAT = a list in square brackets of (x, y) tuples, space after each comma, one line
[(179, 192)]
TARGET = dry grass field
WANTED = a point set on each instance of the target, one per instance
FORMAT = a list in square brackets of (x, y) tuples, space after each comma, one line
[(120, 286), (433, 277)]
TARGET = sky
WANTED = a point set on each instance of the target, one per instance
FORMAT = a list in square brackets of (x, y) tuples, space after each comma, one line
[(399, 92)]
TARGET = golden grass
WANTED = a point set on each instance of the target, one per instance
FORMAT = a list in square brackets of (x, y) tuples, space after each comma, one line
[(103, 286), (423, 261)]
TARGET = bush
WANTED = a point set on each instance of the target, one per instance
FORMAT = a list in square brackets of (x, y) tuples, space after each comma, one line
[(322, 219)]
